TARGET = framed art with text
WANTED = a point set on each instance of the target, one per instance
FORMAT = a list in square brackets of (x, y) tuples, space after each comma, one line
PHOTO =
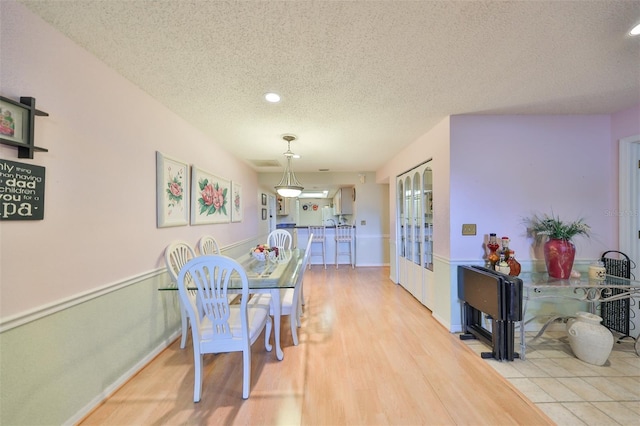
[(21, 191), (236, 202), (210, 199), (172, 191)]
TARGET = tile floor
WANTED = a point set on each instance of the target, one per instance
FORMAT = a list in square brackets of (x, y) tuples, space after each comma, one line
[(570, 391)]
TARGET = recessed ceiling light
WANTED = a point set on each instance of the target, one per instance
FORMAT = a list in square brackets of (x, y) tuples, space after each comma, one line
[(272, 97), (635, 31)]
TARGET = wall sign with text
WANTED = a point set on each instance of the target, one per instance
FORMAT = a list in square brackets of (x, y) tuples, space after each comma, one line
[(21, 191)]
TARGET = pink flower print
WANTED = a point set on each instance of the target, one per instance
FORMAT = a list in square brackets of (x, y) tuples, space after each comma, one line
[(175, 189), (209, 195), (218, 198)]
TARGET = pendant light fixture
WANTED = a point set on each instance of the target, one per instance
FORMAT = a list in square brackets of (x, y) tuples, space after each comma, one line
[(289, 187)]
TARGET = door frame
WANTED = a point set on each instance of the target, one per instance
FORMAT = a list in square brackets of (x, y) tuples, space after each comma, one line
[(628, 196)]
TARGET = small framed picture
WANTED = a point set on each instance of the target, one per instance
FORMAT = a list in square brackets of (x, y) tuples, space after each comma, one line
[(236, 202), (264, 199), (14, 122), (264, 214), (172, 189)]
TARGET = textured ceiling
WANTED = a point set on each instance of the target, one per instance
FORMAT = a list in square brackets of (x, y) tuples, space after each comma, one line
[(359, 80)]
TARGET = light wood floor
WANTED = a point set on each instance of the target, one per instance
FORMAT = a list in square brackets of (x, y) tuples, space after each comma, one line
[(369, 354)]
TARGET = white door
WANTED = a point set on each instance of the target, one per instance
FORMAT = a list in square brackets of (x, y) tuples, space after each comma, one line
[(271, 212), (629, 204), (629, 210)]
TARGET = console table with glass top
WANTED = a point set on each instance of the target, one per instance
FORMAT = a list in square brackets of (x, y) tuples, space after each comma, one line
[(537, 286), (270, 277)]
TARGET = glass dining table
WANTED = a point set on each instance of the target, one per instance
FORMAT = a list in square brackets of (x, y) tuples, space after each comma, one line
[(595, 293), (269, 276)]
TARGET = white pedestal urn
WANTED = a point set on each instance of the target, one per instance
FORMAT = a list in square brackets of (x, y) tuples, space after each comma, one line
[(590, 341)]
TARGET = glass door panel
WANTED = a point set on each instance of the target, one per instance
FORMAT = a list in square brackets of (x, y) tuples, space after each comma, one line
[(427, 206), (401, 218), (417, 218), (407, 218)]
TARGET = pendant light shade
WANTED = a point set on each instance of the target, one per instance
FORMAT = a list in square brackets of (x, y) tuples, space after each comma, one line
[(289, 187)]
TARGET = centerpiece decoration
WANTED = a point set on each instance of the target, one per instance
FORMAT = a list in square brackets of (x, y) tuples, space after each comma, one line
[(559, 250), (262, 252)]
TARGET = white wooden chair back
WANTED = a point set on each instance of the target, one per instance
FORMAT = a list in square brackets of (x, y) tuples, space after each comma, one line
[(280, 238), (176, 255), (208, 245), (343, 233), (318, 233)]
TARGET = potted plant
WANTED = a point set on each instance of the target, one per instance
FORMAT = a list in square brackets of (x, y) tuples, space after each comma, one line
[(559, 251)]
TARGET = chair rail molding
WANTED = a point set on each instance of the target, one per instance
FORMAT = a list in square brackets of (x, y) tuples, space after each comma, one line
[(51, 308)]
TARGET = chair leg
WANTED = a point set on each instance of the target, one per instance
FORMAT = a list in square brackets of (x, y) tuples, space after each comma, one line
[(324, 252), (351, 254), (267, 335), (299, 309), (197, 384), (185, 328), (292, 321), (246, 370)]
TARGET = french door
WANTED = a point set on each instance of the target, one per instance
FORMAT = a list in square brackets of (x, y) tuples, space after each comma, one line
[(415, 233)]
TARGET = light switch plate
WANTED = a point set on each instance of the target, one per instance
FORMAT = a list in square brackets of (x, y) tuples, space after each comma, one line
[(468, 229)]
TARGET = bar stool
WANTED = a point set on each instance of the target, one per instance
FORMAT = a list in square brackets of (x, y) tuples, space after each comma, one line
[(344, 235), (318, 238)]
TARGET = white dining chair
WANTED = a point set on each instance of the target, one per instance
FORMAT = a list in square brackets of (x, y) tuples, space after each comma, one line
[(208, 245), (220, 327), (291, 298), (280, 238), (176, 255)]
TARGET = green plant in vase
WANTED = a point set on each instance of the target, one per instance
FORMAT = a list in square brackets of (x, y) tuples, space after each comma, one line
[(559, 250)]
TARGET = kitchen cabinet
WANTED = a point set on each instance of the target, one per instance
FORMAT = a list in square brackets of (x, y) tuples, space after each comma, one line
[(343, 201), (284, 206)]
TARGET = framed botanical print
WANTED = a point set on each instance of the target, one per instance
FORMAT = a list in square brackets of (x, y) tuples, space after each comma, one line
[(236, 202), (172, 191), (210, 199)]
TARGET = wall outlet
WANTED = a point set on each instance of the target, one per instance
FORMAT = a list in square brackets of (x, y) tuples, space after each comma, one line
[(468, 229), (363, 222)]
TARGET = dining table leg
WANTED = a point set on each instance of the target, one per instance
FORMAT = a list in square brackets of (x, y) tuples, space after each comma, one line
[(275, 305)]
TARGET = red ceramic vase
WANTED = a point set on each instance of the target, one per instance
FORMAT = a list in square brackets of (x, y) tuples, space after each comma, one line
[(559, 256)]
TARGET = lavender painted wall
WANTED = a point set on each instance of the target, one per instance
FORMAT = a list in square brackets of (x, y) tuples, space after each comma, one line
[(625, 123), (504, 168)]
